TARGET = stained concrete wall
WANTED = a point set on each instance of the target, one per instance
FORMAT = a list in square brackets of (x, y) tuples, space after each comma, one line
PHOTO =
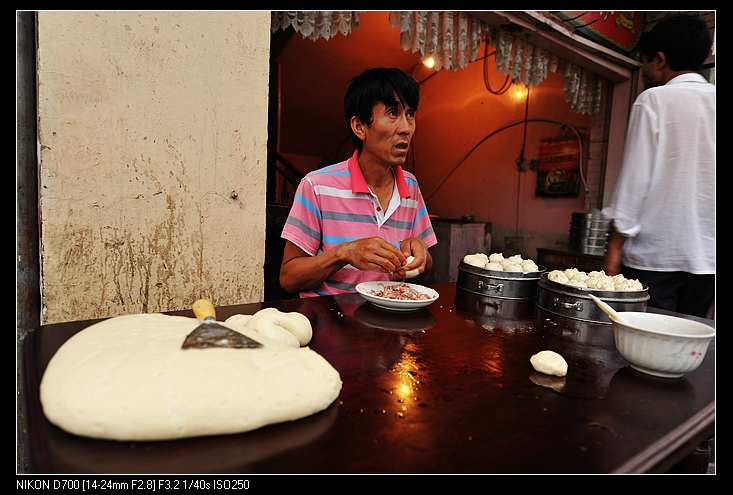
[(152, 137)]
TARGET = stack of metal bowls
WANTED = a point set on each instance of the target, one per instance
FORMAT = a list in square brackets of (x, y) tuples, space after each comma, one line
[(589, 232)]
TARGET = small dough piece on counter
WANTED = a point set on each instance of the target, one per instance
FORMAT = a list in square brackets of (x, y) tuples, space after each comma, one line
[(549, 363)]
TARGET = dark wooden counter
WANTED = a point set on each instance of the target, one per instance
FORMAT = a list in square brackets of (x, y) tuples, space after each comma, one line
[(437, 391)]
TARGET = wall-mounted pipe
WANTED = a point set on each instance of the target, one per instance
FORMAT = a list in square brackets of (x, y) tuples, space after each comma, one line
[(509, 126)]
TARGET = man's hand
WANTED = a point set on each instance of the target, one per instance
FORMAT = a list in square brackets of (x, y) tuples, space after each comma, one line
[(372, 254), (613, 253), (418, 250)]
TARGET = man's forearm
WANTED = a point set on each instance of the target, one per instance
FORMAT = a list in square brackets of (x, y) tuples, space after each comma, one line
[(613, 253), (307, 272)]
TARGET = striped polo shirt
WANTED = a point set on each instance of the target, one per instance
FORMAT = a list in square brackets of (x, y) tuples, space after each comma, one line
[(334, 205)]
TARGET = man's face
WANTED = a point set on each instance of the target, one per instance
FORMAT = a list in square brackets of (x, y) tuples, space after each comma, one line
[(389, 136)]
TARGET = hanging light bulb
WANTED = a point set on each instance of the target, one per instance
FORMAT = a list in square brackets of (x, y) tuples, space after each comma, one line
[(520, 92), (429, 61)]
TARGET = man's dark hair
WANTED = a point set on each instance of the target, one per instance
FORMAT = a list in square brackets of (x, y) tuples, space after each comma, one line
[(684, 39), (378, 85)]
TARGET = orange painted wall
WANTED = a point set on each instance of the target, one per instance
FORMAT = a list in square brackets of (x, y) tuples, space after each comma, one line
[(456, 111)]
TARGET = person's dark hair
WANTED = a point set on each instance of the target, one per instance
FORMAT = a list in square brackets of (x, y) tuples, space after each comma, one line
[(684, 39), (377, 85)]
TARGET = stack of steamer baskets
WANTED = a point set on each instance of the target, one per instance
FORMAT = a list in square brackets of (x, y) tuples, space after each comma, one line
[(497, 297), (570, 313)]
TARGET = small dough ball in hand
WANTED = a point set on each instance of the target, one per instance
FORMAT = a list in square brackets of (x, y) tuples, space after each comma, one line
[(549, 363), (411, 273)]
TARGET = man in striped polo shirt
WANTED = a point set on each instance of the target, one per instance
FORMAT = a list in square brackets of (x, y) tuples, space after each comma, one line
[(358, 220)]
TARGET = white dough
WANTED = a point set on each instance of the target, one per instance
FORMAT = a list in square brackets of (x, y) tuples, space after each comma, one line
[(478, 259), (237, 322), (291, 329), (127, 378), (496, 258), (576, 283), (411, 273), (494, 266), (529, 266), (549, 363), (557, 276), (595, 280), (512, 267)]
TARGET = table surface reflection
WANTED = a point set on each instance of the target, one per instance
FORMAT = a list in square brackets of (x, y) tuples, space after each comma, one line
[(439, 390)]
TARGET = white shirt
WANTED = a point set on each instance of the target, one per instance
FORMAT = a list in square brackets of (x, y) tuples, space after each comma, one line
[(665, 195), (394, 202)]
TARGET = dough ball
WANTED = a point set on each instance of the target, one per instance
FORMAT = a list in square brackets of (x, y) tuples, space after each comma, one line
[(577, 283), (478, 259), (494, 266), (549, 363), (597, 274), (237, 322), (570, 273), (411, 273), (516, 259), (291, 329), (529, 266), (512, 267), (496, 258), (606, 284), (558, 276)]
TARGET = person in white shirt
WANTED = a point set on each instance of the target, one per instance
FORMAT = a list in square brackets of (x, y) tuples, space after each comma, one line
[(663, 207)]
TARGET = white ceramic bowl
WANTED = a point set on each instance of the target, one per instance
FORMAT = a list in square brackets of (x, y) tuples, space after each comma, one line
[(395, 304), (662, 345)]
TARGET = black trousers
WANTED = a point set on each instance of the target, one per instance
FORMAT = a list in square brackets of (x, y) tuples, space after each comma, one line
[(680, 292)]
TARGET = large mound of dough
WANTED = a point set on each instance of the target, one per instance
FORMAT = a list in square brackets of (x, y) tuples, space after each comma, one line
[(127, 378)]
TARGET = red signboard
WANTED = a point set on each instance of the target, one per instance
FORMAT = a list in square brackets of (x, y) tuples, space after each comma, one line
[(558, 172), (618, 30)]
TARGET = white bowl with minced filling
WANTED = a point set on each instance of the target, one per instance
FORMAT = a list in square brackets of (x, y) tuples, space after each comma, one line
[(369, 291)]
